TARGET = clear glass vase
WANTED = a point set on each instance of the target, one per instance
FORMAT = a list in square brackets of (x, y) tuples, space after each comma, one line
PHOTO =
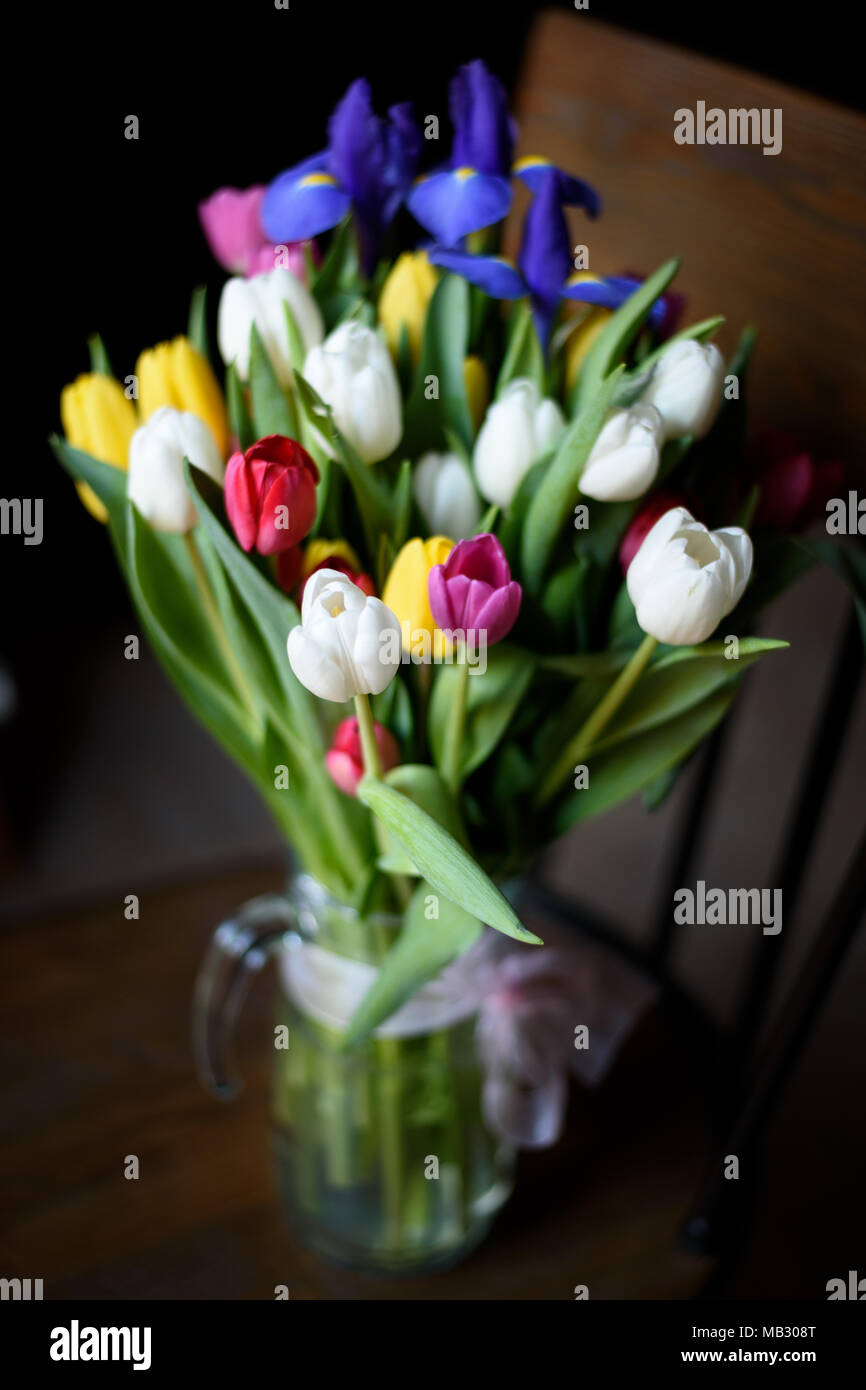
[(383, 1160)]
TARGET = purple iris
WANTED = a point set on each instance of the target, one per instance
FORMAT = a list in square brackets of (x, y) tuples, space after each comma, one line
[(368, 165), (474, 190), (473, 592), (545, 260)]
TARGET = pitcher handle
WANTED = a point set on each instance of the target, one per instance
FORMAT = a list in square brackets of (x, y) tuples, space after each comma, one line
[(238, 949)]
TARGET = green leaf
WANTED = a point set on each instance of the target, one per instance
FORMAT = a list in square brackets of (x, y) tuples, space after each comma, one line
[(422, 950), (618, 333), (678, 680), (443, 352), (239, 416), (630, 764), (441, 860), (98, 356), (272, 413), (196, 329), (297, 348), (423, 785), (491, 702), (557, 493), (108, 483), (523, 356)]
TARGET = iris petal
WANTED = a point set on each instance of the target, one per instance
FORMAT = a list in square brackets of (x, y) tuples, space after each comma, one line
[(459, 201), (493, 274), (572, 191), (297, 208)]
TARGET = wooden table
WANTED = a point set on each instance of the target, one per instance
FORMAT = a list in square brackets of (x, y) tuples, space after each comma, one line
[(97, 1067)]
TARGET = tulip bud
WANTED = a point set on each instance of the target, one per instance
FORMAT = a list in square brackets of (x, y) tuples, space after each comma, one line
[(624, 460), (473, 592), (176, 374), (406, 586), (99, 420), (686, 387), (406, 293), (271, 494), (518, 427), (685, 579), (156, 454), (443, 488), (345, 758), (260, 301), (477, 386), (346, 643), (353, 373)]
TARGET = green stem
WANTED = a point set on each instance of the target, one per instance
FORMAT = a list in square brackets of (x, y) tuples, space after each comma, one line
[(211, 608), (367, 729), (604, 711), (456, 725)]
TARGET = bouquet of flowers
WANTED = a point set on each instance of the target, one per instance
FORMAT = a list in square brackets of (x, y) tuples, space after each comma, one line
[(449, 554)]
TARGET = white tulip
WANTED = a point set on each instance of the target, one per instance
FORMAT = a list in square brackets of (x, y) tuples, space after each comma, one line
[(353, 373), (685, 579), (156, 454), (346, 643), (624, 459), (518, 427), (686, 387), (260, 300), (443, 488)]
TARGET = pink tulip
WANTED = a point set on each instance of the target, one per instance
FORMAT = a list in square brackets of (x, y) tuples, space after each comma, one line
[(345, 760), (270, 494), (230, 220), (473, 592)]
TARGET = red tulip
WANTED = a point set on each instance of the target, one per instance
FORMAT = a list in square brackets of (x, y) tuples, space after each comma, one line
[(345, 760), (270, 494), (643, 521), (290, 567)]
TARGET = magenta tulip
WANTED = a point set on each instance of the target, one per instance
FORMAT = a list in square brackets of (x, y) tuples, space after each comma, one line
[(473, 592)]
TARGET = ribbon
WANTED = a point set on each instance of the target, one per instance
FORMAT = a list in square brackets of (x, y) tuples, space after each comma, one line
[(543, 1014)]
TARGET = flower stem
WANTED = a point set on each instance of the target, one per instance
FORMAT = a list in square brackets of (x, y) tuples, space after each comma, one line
[(604, 711), (456, 725), (367, 730), (211, 608)]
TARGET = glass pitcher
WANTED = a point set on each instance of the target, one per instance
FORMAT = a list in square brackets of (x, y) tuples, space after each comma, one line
[(383, 1160)]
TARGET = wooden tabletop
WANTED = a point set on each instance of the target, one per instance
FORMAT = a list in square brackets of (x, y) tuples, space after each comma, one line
[(97, 1067), (779, 241)]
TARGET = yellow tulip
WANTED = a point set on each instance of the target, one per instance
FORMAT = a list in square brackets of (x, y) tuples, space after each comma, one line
[(99, 420), (579, 342), (477, 385), (176, 374), (404, 299), (318, 550), (406, 586)]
